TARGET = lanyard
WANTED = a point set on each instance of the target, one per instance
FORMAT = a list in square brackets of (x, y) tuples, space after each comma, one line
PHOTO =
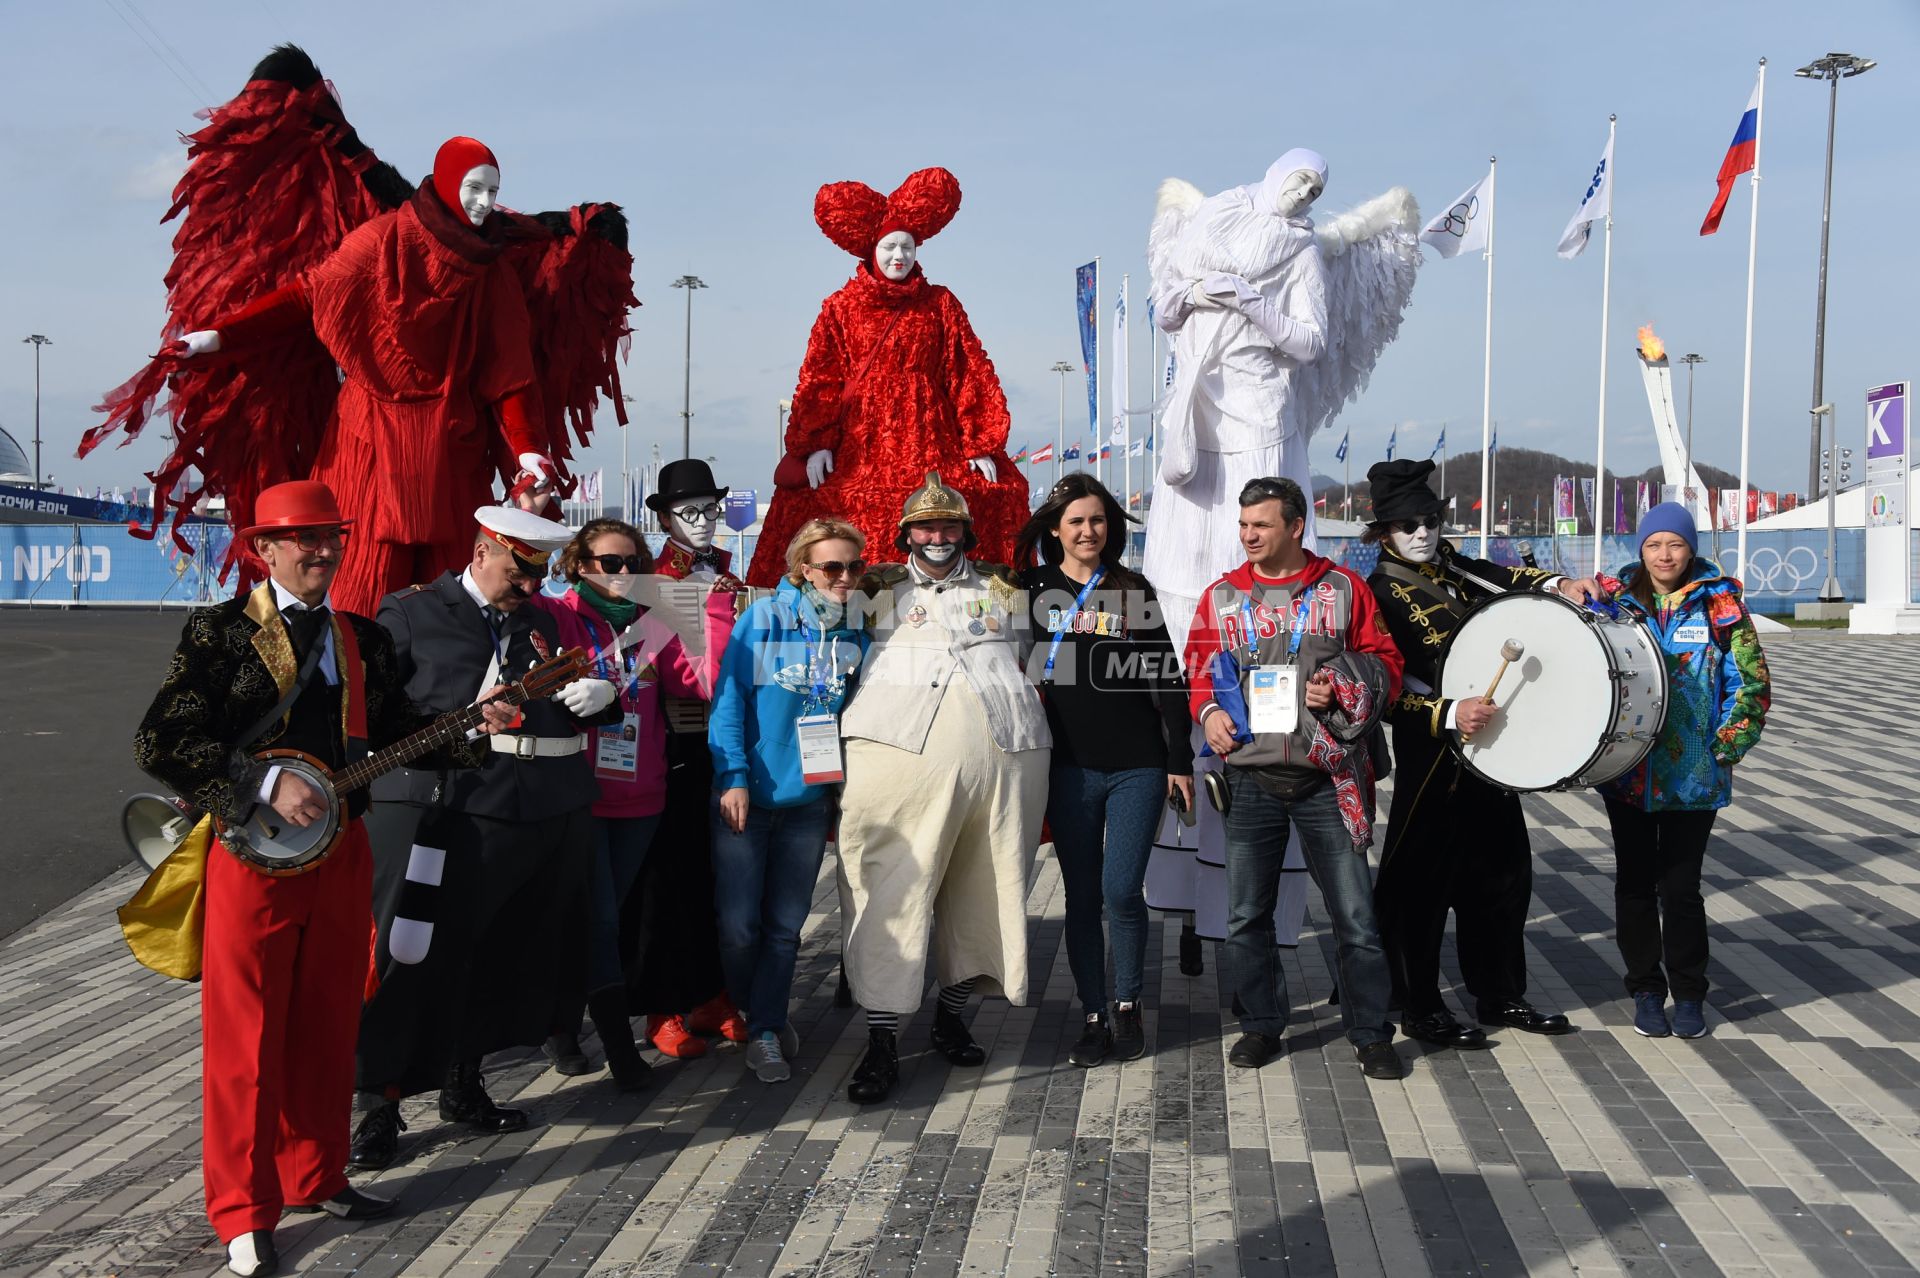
[(817, 698), (620, 666), (1301, 601), (1066, 622)]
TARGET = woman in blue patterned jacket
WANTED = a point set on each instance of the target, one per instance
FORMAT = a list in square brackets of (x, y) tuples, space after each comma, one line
[(1662, 811)]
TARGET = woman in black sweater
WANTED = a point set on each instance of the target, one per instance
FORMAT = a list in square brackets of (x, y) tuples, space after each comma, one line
[(1116, 704)]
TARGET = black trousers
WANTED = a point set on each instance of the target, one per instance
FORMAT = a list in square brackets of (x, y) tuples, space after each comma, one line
[(1662, 920), (1454, 843)]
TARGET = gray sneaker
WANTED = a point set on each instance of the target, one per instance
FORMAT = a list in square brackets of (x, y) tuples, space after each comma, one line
[(765, 1060)]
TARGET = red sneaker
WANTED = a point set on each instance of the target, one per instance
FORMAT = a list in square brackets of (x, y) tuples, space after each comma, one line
[(669, 1034), (734, 1028), (712, 1016)]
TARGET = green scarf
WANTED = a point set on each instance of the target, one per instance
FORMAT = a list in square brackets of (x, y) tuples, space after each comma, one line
[(825, 607), (618, 613)]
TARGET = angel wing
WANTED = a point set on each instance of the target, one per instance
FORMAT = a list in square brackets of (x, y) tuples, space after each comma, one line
[(1172, 210), (274, 182), (579, 285), (1371, 256)]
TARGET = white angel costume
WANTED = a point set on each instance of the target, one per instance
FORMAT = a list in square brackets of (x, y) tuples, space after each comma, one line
[(1275, 324)]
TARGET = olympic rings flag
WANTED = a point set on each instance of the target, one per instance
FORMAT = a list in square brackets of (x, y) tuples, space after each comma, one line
[(1461, 229)]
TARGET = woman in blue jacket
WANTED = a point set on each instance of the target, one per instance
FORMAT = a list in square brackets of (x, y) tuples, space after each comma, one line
[(1662, 811), (775, 738)]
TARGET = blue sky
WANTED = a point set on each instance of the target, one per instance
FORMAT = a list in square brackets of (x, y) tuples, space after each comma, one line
[(713, 125)]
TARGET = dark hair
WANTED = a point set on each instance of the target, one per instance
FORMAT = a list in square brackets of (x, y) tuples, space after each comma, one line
[(573, 558), (1034, 545), (1292, 501)]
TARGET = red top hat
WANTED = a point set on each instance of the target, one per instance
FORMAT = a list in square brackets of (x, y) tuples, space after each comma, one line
[(298, 503)]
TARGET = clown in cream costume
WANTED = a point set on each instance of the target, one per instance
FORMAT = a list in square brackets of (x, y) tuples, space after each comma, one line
[(947, 753)]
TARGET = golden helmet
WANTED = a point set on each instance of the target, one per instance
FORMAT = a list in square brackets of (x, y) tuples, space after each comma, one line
[(934, 500)]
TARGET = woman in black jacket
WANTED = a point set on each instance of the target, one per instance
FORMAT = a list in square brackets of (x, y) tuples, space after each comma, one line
[(1116, 705)]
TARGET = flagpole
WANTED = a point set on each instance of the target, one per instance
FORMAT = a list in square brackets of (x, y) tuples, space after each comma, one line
[(1442, 450), (1126, 403), (1606, 298), (1099, 376), (1746, 377), (1346, 500), (1486, 374)]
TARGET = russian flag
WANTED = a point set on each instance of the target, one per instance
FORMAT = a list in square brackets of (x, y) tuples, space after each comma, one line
[(1741, 155)]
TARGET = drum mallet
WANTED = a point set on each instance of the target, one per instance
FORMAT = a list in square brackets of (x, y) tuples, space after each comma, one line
[(1510, 651)]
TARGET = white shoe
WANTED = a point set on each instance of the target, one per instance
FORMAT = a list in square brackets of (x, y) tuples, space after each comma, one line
[(765, 1060), (253, 1255)]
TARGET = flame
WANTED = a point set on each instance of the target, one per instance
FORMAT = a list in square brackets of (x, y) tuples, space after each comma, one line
[(1652, 349)]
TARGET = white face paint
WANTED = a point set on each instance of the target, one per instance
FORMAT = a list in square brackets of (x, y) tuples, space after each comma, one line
[(479, 190), (1418, 546), (692, 521), (894, 255), (936, 555), (1298, 192)]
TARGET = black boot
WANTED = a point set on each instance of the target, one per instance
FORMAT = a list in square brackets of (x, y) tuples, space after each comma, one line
[(464, 1100), (878, 1071), (376, 1140), (953, 1040), (1192, 958), (563, 1051), (608, 1008)]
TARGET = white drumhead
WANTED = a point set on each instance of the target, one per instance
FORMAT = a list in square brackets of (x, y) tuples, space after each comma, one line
[(1556, 703)]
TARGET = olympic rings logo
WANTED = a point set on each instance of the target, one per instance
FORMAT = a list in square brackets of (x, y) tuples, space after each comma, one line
[(1459, 218), (1766, 567)]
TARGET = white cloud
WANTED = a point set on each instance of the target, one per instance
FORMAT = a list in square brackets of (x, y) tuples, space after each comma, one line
[(154, 179)]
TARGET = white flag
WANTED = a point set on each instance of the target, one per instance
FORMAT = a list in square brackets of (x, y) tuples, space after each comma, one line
[(1463, 227), (1597, 205), (1118, 433)]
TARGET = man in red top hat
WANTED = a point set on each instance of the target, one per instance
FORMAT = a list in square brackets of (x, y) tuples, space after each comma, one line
[(284, 956)]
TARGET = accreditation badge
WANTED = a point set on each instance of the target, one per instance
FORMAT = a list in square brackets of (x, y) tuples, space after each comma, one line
[(1273, 699), (820, 749), (617, 753)]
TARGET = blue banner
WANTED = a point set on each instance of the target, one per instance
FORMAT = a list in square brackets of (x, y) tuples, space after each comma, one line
[(74, 506), (101, 563), (1086, 288)]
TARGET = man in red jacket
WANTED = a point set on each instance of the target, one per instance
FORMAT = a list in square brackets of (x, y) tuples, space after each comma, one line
[(1269, 627)]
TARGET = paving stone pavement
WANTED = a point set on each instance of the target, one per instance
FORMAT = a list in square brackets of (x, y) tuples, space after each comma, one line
[(1788, 1142)]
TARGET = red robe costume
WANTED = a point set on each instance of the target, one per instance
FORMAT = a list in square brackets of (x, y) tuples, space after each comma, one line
[(895, 384), (458, 348)]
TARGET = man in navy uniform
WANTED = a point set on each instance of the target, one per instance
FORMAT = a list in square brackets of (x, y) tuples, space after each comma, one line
[(509, 846)]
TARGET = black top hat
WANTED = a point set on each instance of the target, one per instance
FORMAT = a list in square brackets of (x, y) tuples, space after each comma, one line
[(1401, 491), (688, 477)]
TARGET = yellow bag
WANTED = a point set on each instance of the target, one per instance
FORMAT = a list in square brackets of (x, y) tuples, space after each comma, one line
[(165, 922)]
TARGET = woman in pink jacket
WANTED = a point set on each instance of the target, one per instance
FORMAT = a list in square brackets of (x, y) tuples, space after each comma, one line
[(647, 661)]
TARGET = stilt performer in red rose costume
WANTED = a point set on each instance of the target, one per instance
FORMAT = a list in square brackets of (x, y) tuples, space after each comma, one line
[(894, 384), (465, 336)]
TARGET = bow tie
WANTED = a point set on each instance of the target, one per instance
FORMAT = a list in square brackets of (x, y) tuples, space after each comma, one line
[(708, 558)]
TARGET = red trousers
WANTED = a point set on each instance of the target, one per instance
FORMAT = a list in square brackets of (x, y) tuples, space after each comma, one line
[(285, 964), (370, 569)]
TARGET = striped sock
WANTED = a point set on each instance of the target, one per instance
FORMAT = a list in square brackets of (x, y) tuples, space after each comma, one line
[(888, 1021), (953, 998)]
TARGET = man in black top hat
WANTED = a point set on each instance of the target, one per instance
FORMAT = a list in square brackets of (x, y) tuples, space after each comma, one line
[(1453, 840)]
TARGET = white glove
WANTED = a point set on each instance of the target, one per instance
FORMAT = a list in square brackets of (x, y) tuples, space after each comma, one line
[(819, 466), (586, 698), (988, 471), (204, 342), (539, 465), (1201, 300)]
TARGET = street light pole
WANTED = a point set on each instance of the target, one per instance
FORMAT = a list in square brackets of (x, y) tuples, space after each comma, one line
[(689, 283), (1833, 68), (1061, 367), (1690, 361), (37, 341)]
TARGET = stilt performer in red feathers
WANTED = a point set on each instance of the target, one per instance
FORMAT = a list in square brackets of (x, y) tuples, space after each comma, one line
[(466, 336), (894, 384)]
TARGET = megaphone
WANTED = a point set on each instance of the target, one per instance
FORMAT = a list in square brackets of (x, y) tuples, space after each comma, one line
[(154, 826)]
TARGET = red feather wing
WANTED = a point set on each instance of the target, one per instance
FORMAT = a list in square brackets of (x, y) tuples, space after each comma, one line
[(273, 184)]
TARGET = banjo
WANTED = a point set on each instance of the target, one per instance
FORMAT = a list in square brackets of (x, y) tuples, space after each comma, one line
[(275, 846)]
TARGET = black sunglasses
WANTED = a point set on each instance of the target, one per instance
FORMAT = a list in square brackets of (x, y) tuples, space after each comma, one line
[(835, 567), (1413, 525), (611, 564)]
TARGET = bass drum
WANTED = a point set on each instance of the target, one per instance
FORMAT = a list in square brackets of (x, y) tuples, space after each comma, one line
[(1582, 705)]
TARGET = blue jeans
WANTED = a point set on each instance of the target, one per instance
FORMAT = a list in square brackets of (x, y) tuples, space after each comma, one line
[(620, 849), (1103, 822), (763, 883), (1256, 830)]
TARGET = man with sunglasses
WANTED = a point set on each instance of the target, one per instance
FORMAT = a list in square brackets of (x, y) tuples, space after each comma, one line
[(1453, 841), (505, 851)]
